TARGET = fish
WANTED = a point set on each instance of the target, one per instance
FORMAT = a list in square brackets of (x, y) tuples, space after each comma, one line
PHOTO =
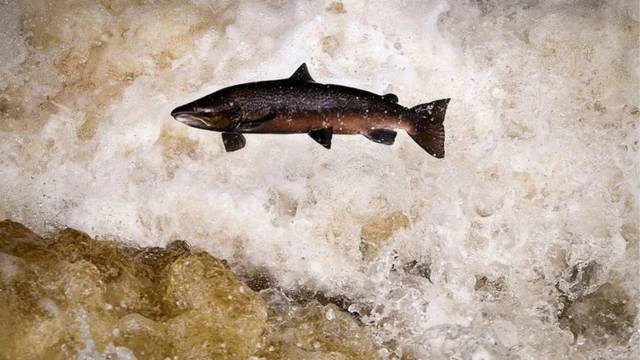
[(299, 104)]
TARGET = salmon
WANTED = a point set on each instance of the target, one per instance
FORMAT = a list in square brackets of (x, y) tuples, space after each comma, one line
[(298, 105)]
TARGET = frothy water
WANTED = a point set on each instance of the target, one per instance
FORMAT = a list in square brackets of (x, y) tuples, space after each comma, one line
[(516, 245)]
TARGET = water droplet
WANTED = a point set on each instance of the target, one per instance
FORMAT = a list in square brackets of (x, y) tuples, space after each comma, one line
[(330, 315)]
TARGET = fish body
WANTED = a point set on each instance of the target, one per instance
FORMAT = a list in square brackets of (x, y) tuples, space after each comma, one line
[(298, 104)]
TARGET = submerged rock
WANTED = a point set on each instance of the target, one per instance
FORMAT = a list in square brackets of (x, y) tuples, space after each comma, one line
[(377, 231), (71, 296), (602, 318)]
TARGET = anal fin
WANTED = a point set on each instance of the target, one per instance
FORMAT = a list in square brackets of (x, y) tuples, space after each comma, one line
[(233, 142), (322, 136), (382, 136)]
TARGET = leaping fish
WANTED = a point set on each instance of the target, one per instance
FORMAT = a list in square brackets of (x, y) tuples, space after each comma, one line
[(298, 104)]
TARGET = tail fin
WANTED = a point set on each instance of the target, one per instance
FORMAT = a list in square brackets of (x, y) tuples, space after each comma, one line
[(428, 130)]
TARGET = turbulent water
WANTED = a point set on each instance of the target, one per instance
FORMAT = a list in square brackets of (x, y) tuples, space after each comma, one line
[(521, 243)]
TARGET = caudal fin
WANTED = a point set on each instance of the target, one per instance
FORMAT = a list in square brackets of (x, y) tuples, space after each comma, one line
[(428, 127)]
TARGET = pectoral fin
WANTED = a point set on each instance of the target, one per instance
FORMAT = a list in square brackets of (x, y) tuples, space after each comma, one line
[(322, 136), (251, 124), (233, 142), (382, 136)]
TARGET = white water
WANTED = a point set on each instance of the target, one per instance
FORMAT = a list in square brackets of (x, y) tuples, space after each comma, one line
[(540, 176)]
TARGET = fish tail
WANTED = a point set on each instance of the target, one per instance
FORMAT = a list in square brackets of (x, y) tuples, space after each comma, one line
[(428, 127)]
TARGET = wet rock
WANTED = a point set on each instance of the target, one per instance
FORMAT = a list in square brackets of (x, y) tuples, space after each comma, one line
[(314, 331), (144, 337), (71, 296), (217, 316)]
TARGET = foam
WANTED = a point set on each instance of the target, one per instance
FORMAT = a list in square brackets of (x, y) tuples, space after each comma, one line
[(541, 149)]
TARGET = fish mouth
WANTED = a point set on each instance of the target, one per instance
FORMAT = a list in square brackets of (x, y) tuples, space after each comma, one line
[(184, 109), (188, 115), (192, 120)]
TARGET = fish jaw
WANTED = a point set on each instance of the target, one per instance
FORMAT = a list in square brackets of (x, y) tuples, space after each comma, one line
[(189, 115), (192, 120), (191, 107), (203, 118)]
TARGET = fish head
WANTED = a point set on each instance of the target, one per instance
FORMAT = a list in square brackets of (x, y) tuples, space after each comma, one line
[(209, 113)]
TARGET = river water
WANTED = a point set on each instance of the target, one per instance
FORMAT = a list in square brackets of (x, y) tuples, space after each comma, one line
[(521, 243)]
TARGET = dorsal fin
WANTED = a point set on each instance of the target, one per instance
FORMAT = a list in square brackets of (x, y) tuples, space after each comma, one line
[(302, 74), (390, 97)]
